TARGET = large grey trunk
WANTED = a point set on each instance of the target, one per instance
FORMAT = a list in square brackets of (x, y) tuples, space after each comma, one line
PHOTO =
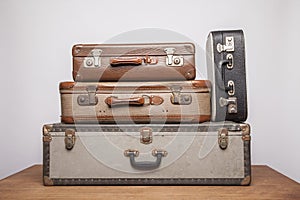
[(93, 154)]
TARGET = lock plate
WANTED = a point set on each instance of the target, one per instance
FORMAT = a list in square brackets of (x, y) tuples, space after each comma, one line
[(146, 135), (94, 60), (180, 98), (231, 104), (89, 99), (223, 138), (228, 46), (70, 139), (171, 59)]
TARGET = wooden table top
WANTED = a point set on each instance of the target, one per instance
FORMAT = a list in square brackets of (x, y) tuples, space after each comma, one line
[(266, 184)]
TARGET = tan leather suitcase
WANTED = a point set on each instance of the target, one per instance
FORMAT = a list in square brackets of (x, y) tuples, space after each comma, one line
[(140, 102), (133, 62)]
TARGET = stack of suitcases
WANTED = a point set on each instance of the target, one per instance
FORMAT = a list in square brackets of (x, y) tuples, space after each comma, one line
[(136, 116)]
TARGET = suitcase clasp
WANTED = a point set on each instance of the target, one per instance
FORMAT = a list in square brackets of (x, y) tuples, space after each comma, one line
[(231, 104), (70, 139), (146, 135), (90, 99), (171, 60), (223, 138), (179, 98), (228, 46), (95, 61)]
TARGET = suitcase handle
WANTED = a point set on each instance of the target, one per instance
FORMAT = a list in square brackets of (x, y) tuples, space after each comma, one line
[(135, 101), (114, 62), (221, 75), (145, 165), (115, 101)]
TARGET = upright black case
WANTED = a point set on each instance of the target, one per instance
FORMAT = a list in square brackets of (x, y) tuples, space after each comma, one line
[(226, 70)]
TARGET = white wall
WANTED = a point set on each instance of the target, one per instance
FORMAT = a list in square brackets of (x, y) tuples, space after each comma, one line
[(35, 49)]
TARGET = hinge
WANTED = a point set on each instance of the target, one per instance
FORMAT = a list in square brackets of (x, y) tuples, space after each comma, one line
[(228, 46), (146, 135), (231, 104), (223, 138), (95, 61), (69, 138), (178, 98), (171, 60), (90, 99)]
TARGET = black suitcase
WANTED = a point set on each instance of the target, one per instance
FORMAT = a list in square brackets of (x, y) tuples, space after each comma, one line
[(226, 70)]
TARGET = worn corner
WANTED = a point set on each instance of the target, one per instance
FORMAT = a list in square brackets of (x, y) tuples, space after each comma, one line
[(48, 181), (245, 129), (246, 180), (47, 128)]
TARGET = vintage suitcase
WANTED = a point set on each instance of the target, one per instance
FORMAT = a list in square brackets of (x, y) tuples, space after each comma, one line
[(140, 102), (226, 70), (147, 154), (133, 62)]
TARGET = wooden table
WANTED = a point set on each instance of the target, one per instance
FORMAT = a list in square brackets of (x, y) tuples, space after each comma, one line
[(266, 184)]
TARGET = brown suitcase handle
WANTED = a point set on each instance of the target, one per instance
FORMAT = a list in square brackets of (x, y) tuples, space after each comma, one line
[(132, 61), (115, 101), (135, 101)]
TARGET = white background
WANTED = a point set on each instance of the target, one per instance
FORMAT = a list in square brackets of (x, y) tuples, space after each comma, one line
[(35, 49)]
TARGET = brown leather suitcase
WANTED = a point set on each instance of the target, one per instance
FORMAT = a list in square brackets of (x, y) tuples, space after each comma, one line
[(138, 102), (133, 62)]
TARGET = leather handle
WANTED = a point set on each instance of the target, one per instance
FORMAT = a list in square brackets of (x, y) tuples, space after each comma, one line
[(133, 61), (126, 61), (115, 101)]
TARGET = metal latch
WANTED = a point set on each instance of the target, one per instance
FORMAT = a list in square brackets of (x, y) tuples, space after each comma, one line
[(70, 138), (95, 61), (171, 60), (90, 99), (231, 104), (223, 138), (146, 135), (178, 98), (229, 45)]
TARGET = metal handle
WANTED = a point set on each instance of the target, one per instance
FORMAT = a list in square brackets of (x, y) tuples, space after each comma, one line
[(132, 61), (115, 101), (145, 165)]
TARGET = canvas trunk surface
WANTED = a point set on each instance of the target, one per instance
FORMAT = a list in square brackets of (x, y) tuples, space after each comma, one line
[(147, 154)]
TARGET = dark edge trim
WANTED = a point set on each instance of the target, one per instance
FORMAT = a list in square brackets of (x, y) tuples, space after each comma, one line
[(247, 163), (46, 164), (145, 181)]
